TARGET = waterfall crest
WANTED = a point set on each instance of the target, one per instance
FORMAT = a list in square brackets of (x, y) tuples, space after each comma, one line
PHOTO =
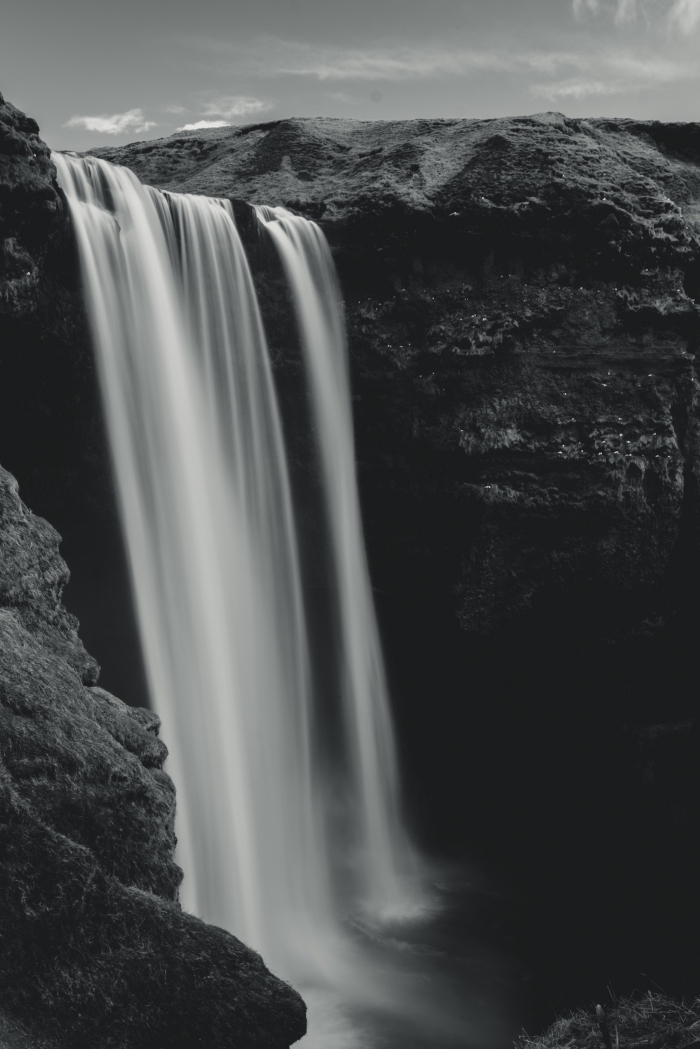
[(207, 512)]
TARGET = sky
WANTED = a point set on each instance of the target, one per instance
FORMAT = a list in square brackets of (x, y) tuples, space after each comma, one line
[(100, 72)]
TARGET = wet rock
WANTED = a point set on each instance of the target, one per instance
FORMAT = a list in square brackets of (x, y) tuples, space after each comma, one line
[(95, 949)]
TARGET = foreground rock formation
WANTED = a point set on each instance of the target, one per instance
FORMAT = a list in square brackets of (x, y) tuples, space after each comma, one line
[(522, 301), (94, 949)]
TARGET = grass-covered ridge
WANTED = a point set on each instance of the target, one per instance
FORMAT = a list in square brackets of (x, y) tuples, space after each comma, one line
[(651, 1022)]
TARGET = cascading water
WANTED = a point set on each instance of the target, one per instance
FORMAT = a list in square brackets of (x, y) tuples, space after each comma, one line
[(385, 854), (205, 501), (207, 511)]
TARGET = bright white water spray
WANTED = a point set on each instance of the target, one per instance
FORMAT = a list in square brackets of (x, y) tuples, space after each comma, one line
[(207, 511), (385, 857)]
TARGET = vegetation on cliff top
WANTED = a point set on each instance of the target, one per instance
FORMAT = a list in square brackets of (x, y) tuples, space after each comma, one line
[(653, 1021)]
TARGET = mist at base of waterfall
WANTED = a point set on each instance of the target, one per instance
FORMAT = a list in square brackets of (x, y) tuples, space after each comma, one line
[(434, 981)]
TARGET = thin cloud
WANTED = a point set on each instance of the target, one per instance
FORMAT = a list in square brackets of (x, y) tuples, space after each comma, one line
[(344, 98), (567, 74), (626, 10), (676, 14), (686, 14), (271, 57), (116, 124), (403, 64), (230, 106), (176, 109), (200, 125), (577, 89), (616, 73), (574, 74), (621, 10)]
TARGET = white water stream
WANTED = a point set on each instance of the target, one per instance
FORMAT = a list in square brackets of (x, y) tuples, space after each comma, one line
[(208, 516), (385, 858)]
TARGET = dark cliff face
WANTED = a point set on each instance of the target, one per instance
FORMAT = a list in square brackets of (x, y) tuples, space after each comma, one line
[(30, 207), (522, 325), (51, 431), (94, 949), (522, 303)]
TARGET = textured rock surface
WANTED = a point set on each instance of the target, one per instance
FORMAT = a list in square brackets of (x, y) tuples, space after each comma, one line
[(51, 433), (30, 207), (519, 325), (95, 952), (94, 949)]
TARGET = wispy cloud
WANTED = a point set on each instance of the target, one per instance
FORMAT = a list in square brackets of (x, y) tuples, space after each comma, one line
[(575, 74), (577, 89), (229, 106), (116, 124), (272, 57), (678, 14), (686, 14), (614, 72), (344, 98), (621, 10), (176, 109), (200, 125), (391, 64), (587, 71)]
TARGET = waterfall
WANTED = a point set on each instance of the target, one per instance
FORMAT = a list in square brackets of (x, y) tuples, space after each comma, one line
[(385, 855), (207, 511)]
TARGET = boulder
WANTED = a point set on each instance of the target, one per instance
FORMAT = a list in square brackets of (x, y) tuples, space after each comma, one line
[(95, 948)]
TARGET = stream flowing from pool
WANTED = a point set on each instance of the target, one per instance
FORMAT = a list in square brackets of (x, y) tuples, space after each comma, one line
[(299, 851)]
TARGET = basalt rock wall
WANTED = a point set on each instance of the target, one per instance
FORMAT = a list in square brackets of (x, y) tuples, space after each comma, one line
[(51, 432), (522, 327)]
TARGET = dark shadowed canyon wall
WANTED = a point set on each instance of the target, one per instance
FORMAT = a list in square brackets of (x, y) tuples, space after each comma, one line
[(52, 434), (522, 303)]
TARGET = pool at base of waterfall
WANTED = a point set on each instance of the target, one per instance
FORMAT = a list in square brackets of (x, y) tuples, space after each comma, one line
[(438, 981)]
